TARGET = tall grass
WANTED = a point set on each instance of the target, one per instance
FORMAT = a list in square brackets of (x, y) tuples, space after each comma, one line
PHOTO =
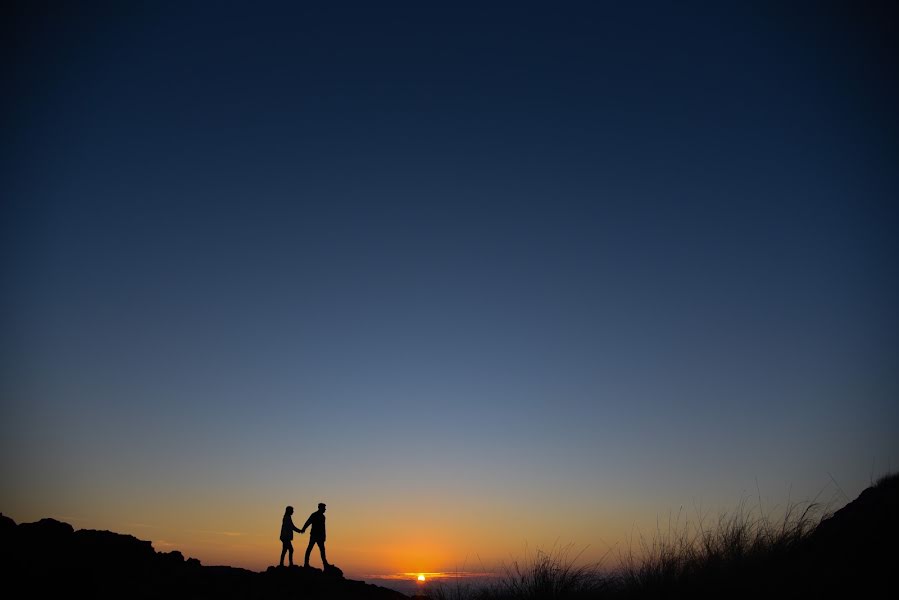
[(553, 575), (740, 554)]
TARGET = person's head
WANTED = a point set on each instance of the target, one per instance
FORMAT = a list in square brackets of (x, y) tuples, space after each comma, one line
[(321, 507), (288, 510)]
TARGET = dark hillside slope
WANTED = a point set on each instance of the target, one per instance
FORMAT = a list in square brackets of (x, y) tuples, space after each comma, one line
[(856, 550), (48, 557)]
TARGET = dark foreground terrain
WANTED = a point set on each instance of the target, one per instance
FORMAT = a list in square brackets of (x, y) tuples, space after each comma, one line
[(852, 553), (50, 559)]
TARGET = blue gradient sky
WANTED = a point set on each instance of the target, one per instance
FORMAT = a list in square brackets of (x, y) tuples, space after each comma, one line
[(475, 276)]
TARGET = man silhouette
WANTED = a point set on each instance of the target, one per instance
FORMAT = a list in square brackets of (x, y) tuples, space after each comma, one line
[(287, 529), (317, 535)]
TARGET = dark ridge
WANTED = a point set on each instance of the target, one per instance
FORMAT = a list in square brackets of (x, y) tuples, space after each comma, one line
[(854, 550), (49, 558), (851, 553)]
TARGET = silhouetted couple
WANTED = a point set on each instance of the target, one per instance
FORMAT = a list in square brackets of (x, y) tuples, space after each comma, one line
[(316, 536)]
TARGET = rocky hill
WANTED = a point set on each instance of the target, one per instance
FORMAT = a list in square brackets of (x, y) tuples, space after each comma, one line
[(854, 552), (50, 559), (850, 554)]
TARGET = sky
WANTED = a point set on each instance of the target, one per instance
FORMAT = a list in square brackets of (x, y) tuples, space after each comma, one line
[(483, 277)]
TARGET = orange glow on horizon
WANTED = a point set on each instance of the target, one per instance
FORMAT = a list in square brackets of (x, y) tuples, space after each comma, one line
[(377, 538)]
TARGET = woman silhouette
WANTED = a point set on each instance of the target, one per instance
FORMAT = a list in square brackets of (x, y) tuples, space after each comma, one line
[(287, 529)]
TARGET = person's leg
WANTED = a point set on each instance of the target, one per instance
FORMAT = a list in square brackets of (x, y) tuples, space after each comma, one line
[(290, 550), (308, 551), (321, 546), (283, 551)]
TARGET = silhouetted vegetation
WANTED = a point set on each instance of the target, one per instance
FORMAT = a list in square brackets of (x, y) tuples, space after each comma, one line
[(737, 553), (805, 553), (557, 573)]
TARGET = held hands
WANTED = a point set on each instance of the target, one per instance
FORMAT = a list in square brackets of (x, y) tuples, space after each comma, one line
[(303, 530)]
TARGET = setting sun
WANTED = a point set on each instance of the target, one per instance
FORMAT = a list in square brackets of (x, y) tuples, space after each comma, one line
[(421, 577)]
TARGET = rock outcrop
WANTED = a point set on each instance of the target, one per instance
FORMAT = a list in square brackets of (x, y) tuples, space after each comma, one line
[(50, 559), (854, 552)]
